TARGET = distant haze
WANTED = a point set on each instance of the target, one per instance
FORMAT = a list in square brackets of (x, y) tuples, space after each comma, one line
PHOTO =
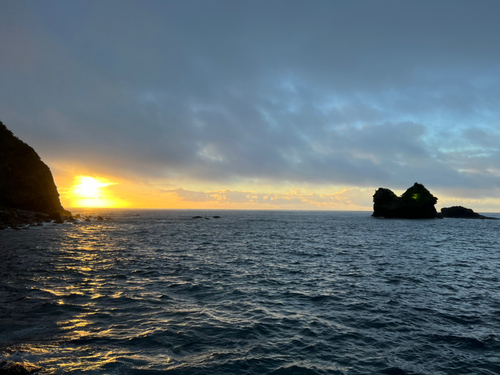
[(258, 104)]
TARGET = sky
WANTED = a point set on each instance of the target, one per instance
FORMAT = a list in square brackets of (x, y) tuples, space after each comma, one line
[(257, 104)]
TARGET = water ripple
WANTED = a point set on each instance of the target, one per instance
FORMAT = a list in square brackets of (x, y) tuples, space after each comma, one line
[(252, 293)]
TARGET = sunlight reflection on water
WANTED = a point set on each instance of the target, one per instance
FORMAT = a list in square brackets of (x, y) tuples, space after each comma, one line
[(253, 292)]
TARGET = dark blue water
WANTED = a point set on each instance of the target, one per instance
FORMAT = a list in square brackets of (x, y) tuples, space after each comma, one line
[(253, 293)]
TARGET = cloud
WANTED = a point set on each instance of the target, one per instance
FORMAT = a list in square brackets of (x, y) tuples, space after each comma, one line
[(347, 199), (218, 93)]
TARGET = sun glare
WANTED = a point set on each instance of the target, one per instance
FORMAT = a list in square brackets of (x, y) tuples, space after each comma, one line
[(91, 192)]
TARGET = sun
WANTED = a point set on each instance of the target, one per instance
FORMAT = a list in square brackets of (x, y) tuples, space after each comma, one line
[(90, 192), (89, 187)]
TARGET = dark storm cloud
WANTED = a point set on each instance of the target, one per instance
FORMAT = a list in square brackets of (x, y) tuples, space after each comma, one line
[(358, 93)]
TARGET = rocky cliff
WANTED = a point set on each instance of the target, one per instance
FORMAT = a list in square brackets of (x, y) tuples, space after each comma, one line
[(415, 203), (26, 182)]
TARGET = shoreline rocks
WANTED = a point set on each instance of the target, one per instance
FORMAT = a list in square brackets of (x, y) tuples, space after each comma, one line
[(15, 218)]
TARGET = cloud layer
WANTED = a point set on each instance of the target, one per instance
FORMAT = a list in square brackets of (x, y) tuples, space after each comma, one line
[(356, 94), (347, 199)]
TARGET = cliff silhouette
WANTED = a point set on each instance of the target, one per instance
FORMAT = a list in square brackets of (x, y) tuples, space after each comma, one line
[(26, 182)]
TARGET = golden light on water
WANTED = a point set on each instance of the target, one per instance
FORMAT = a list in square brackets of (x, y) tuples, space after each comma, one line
[(91, 192)]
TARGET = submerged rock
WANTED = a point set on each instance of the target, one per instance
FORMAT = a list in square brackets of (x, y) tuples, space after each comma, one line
[(459, 212), (416, 203)]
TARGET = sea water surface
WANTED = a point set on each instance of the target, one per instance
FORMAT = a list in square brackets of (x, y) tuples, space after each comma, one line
[(254, 292)]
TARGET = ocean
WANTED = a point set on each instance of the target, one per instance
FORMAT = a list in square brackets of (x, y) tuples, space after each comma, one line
[(252, 292)]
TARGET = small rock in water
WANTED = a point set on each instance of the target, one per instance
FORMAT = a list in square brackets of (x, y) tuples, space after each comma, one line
[(17, 368), (459, 212), (100, 218), (56, 216), (197, 217), (216, 217)]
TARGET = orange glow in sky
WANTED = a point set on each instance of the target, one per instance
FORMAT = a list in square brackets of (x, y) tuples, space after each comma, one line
[(80, 189), (91, 192)]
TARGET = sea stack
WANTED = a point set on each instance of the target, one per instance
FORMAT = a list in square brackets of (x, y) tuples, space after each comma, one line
[(26, 182), (416, 203)]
